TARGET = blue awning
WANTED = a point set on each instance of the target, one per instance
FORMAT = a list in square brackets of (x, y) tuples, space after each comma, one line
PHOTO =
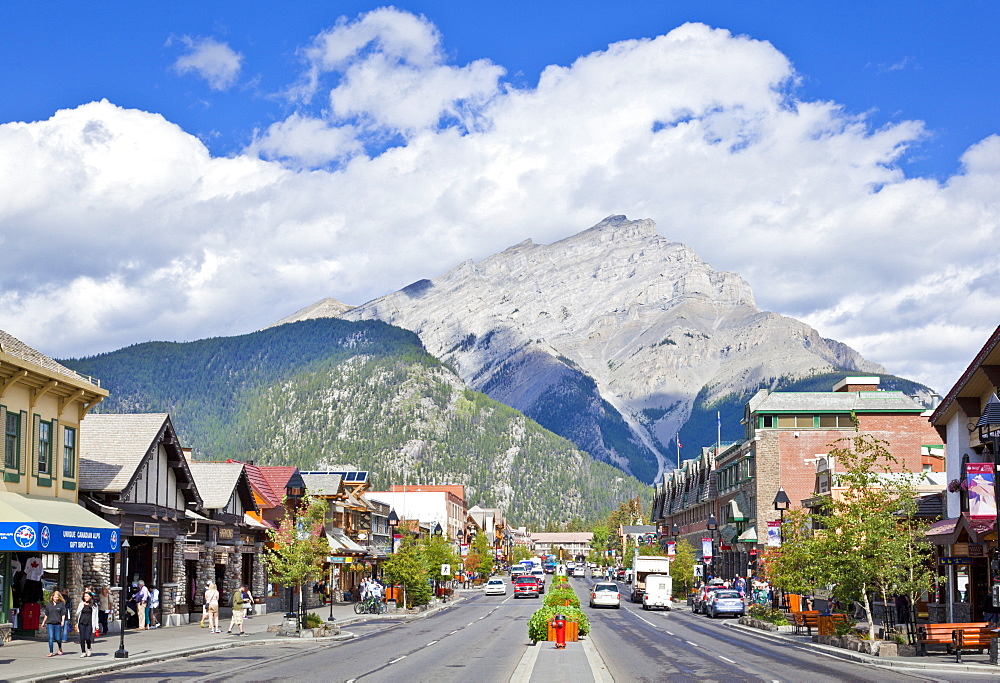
[(52, 525)]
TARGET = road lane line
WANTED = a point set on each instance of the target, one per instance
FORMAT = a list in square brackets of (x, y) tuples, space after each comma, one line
[(726, 659), (430, 643), (397, 659), (453, 632), (690, 643), (470, 623)]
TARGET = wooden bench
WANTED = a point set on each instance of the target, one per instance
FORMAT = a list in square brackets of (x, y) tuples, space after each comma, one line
[(974, 638), (943, 634), (810, 619)]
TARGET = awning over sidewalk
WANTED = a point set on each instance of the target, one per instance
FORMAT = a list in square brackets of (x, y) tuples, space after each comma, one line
[(52, 525), (944, 532), (341, 543), (748, 536)]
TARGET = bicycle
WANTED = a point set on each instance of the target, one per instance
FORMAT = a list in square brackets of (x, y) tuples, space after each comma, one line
[(371, 605)]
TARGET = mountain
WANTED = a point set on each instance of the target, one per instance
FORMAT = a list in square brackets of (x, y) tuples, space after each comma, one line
[(323, 392), (608, 337)]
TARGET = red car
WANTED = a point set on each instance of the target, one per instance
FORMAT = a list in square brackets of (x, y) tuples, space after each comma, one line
[(526, 586)]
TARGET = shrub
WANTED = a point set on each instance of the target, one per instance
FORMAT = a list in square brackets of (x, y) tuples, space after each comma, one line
[(559, 595), (765, 613), (844, 628), (312, 620), (538, 624)]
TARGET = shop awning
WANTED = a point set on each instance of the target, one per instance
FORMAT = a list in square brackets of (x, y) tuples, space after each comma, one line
[(341, 543), (52, 525), (735, 512), (748, 536), (943, 532)]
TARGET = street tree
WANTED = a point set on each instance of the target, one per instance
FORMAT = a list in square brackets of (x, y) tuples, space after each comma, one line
[(682, 568), (407, 568), (868, 543), (299, 546), (480, 557)]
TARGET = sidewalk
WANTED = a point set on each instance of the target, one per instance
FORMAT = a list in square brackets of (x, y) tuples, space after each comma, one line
[(936, 658), (26, 660)]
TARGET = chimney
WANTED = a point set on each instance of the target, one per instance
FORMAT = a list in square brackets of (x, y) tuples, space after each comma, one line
[(849, 384)]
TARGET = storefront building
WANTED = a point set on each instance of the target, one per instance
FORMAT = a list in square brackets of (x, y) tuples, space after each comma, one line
[(134, 474), (966, 540), (44, 534), (228, 544)]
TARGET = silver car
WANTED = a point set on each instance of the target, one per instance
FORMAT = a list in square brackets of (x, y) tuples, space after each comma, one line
[(605, 593)]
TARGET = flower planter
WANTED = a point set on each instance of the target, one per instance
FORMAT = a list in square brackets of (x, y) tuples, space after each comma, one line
[(572, 632)]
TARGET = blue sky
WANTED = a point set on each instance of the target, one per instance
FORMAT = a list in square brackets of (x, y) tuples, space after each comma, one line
[(212, 167), (931, 61)]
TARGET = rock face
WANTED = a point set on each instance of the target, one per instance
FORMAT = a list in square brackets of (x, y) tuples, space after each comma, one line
[(324, 308), (606, 337)]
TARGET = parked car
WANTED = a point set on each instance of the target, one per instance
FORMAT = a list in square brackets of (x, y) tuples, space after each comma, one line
[(526, 586), (725, 601), (496, 587), (605, 593), (702, 596)]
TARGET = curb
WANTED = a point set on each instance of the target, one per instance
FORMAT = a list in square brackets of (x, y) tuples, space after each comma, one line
[(841, 653)]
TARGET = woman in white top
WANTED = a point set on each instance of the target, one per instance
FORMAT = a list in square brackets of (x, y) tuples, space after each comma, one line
[(212, 605)]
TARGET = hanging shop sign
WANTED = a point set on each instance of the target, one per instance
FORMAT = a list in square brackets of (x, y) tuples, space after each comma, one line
[(145, 529)]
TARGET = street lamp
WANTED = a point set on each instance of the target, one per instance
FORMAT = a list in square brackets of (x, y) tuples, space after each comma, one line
[(712, 525), (989, 428), (781, 503), (121, 652), (294, 495)]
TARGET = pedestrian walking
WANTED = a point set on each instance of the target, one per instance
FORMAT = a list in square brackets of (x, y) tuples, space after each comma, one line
[(106, 603), (85, 613), (247, 602), (154, 604), (237, 618), (68, 624), (55, 621), (141, 598), (212, 606)]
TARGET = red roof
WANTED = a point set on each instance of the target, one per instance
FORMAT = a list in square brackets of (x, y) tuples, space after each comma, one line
[(277, 478), (261, 483)]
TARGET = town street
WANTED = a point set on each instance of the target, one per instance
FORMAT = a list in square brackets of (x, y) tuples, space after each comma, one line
[(484, 638)]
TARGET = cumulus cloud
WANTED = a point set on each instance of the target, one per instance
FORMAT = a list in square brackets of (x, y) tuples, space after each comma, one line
[(698, 129), (217, 63)]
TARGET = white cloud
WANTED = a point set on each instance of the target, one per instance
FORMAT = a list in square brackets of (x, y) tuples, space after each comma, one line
[(698, 129), (217, 63)]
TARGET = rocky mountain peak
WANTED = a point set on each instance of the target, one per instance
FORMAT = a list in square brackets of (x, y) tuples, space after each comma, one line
[(607, 336)]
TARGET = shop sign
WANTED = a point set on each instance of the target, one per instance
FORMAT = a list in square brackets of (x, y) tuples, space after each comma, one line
[(54, 538), (145, 529), (335, 560), (226, 533), (954, 560), (976, 550)]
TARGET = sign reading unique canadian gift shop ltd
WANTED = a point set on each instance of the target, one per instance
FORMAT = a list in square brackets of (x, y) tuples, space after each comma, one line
[(55, 538), (145, 529)]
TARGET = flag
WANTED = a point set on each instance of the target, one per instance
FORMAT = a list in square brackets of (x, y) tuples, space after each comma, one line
[(679, 441)]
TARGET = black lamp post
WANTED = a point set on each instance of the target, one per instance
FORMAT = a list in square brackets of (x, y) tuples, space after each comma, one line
[(437, 531), (294, 495), (121, 652), (712, 525), (781, 503), (989, 430)]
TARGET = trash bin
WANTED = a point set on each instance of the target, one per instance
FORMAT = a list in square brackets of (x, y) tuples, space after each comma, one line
[(824, 625)]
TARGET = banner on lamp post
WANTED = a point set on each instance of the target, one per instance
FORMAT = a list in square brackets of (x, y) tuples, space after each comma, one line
[(671, 549), (979, 480), (706, 549), (774, 534)]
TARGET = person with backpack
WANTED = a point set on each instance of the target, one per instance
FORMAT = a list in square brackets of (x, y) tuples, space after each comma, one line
[(237, 618)]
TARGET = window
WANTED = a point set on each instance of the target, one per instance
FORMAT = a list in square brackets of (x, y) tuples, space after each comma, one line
[(69, 452), (12, 441), (44, 447), (836, 422)]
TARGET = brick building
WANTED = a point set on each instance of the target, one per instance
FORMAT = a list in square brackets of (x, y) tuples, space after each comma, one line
[(786, 433)]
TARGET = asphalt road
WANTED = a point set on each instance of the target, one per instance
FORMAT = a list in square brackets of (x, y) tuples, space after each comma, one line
[(681, 646), (480, 639)]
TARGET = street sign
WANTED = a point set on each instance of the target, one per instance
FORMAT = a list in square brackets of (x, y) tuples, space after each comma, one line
[(445, 570)]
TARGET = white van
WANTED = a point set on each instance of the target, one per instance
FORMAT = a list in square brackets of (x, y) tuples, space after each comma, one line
[(658, 592)]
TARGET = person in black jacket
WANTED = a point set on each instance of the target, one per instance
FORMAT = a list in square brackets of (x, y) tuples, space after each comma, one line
[(86, 615)]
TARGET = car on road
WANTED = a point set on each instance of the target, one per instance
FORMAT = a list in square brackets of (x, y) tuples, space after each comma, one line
[(702, 596), (540, 575), (724, 601), (605, 594), (496, 587), (526, 586)]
